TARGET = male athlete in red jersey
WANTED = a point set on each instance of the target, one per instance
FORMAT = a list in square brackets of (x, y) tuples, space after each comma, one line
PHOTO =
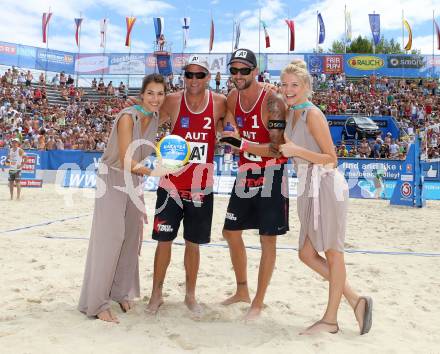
[(194, 114), (259, 199)]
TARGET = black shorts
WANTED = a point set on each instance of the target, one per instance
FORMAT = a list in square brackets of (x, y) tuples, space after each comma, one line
[(260, 201), (14, 175), (195, 209)]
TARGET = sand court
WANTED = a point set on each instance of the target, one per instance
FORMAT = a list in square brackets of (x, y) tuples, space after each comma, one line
[(392, 255)]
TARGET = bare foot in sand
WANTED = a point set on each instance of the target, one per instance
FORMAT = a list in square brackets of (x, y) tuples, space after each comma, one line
[(153, 305), (126, 305), (252, 314), (192, 305), (321, 326), (107, 316), (237, 298)]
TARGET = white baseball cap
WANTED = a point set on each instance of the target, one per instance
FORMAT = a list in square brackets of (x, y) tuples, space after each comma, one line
[(196, 59)]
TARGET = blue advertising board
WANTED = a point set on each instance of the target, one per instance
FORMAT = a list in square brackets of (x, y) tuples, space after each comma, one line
[(54, 60)]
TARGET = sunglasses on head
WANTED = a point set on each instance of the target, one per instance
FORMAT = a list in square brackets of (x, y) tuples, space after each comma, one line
[(242, 71), (199, 75)]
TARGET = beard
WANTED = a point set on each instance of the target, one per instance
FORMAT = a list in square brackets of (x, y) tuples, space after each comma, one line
[(247, 83)]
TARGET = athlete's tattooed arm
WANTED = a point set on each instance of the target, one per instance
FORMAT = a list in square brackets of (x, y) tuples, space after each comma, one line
[(274, 111)]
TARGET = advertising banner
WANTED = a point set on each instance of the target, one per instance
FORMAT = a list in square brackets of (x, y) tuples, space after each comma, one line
[(53, 60), (277, 62), (92, 64), (127, 64), (327, 64)]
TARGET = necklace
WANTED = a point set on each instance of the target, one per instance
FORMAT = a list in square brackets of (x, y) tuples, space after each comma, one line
[(297, 107), (142, 110)]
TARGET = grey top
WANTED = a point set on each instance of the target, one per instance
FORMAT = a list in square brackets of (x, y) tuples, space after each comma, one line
[(111, 153), (301, 136)]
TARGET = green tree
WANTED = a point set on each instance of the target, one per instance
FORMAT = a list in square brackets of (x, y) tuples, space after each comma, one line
[(365, 45)]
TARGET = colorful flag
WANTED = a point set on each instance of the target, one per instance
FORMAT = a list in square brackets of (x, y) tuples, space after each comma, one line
[(45, 23), (266, 34), (158, 26), (237, 35), (291, 26), (103, 25), (438, 34), (408, 28), (348, 26), (185, 29), (130, 23), (211, 36), (375, 27), (78, 22), (321, 29)]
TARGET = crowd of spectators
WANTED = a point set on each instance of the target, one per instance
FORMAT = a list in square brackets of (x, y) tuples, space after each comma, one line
[(26, 114)]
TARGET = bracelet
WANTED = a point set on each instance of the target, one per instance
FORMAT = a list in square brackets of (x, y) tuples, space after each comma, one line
[(244, 145)]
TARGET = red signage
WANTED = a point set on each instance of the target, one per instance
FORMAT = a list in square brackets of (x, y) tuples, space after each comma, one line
[(34, 183), (333, 64), (8, 49)]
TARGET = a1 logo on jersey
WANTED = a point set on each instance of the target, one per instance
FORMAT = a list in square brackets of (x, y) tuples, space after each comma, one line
[(184, 122), (199, 152)]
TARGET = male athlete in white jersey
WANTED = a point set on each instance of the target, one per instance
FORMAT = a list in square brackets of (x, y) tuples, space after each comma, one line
[(15, 162)]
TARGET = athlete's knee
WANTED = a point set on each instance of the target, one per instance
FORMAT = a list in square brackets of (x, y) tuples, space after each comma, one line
[(229, 235), (268, 241), (305, 255), (191, 245)]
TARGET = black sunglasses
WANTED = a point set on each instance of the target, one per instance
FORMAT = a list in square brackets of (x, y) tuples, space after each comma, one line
[(242, 71), (199, 75)]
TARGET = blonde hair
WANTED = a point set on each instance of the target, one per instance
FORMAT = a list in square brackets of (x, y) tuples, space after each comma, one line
[(298, 67)]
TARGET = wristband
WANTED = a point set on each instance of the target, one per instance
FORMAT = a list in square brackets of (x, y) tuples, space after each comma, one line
[(276, 124), (244, 145), (231, 141)]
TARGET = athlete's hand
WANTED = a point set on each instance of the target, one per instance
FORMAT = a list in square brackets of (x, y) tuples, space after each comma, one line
[(160, 170), (288, 149), (270, 87), (231, 138)]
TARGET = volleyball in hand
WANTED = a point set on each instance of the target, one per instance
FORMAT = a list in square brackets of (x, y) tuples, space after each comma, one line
[(173, 150)]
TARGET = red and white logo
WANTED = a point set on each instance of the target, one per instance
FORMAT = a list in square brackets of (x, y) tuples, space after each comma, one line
[(406, 190)]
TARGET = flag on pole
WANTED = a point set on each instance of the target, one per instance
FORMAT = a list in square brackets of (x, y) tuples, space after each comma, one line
[(438, 34), (348, 26), (78, 22), (211, 36), (45, 23), (321, 29), (375, 27), (103, 25), (185, 29), (408, 28), (291, 26), (159, 26), (130, 23), (237, 35), (266, 34)]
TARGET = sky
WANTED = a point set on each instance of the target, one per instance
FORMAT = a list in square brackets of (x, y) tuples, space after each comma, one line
[(20, 22)]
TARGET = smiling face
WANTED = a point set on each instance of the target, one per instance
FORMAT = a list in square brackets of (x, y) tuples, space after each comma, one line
[(153, 96), (195, 86), (241, 81), (293, 89)]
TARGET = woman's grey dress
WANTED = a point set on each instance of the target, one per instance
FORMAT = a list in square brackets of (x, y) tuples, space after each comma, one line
[(112, 266), (322, 193)]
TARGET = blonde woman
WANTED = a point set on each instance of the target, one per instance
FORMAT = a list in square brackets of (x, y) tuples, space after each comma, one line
[(322, 198)]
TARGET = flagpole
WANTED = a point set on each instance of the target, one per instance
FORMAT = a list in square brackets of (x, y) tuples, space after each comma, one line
[(129, 54), (433, 18), (403, 35), (79, 48), (47, 43), (104, 44), (259, 36), (233, 35), (345, 28), (317, 32), (288, 33)]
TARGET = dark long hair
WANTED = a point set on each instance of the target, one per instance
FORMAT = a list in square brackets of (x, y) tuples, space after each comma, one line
[(157, 78)]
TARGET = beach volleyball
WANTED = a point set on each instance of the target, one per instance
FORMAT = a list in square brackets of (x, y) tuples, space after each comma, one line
[(173, 150)]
